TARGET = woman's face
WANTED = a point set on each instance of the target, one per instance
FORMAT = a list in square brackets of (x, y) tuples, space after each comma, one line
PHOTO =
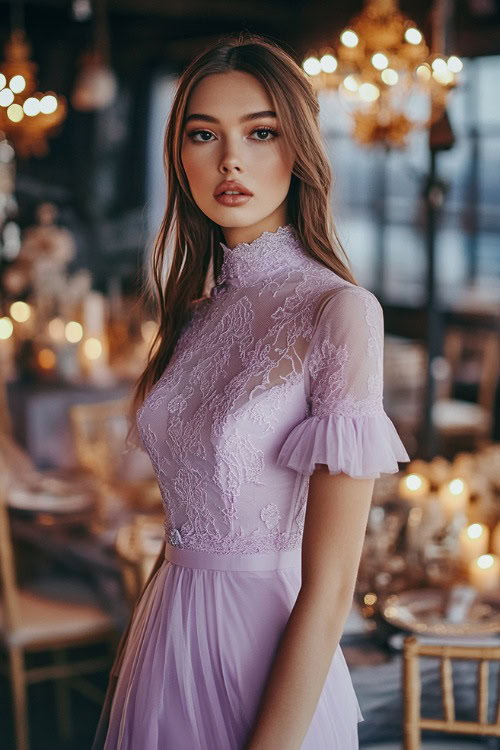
[(232, 134)]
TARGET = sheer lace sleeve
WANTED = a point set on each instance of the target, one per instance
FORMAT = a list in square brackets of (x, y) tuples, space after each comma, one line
[(346, 428)]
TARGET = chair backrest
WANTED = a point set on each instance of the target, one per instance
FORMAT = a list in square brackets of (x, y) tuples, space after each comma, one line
[(8, 586), (481, 348), (414, 722)]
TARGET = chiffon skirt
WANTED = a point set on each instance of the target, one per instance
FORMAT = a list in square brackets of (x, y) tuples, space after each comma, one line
[(199, 647)]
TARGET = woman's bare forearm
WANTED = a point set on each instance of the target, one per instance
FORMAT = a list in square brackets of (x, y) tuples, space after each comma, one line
[(298, 673)]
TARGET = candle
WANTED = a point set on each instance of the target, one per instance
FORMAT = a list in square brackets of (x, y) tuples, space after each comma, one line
[(454, 496), (94, 314), (484, 572), (95, 360), (473, 541), (413, 487)]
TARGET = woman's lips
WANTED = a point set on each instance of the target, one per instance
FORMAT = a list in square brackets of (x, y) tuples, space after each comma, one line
[(232, 200)]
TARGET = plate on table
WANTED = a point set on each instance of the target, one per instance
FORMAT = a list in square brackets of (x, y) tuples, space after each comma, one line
[(460, 611), (50, 495)]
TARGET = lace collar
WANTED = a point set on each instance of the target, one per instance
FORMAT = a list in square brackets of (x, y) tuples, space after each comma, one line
[(269, 253)]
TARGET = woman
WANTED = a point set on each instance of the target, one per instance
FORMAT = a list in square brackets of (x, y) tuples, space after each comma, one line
[(261, 409)]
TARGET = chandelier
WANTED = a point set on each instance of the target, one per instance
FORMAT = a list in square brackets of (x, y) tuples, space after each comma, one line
[(27, 116), (381, 69)]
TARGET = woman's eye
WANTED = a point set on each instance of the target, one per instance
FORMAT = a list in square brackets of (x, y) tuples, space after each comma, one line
[(199, 132), (267, 131)]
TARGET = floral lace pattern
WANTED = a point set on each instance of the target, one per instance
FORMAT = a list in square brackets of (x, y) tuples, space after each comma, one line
[(346, 372), (249, 365)]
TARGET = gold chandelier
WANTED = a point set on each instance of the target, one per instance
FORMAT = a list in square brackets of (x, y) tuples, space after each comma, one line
[(27, 117), (381, 67)]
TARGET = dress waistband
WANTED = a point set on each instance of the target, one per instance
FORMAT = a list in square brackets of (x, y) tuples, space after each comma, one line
[(233, 561)]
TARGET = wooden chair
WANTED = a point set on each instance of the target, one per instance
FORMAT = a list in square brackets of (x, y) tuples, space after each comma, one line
[(457, 418), (33, 623), (414, 722)]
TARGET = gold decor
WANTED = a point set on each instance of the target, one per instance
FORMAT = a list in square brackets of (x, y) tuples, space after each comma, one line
[(27, 116), (382, 65)]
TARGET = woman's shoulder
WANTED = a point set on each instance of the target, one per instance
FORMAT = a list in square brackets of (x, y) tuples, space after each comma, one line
[(342, 299)]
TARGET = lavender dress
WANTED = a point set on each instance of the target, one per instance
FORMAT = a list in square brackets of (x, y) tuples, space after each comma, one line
[(279, 369)]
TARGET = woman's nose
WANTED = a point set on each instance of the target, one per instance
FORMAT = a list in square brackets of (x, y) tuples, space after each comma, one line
[(231, 158)]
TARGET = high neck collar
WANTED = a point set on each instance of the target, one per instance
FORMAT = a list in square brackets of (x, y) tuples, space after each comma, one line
[(269, 253)]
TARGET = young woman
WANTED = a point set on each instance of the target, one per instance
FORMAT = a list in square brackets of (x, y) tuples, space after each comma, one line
[(261, 409)]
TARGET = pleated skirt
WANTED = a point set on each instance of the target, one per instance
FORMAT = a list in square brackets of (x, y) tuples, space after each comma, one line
[(198, 651)]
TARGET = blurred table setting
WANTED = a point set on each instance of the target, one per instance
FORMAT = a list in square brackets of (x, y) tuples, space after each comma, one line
[(430, 568), (72, 517)]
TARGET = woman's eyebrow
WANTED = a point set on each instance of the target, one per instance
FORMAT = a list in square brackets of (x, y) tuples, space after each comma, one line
[(245, 118)]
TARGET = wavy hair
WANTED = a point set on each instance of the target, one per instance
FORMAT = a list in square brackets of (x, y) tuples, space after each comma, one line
[(186, 255)]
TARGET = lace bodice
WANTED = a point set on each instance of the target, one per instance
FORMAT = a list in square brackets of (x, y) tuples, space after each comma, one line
[(279, 369)]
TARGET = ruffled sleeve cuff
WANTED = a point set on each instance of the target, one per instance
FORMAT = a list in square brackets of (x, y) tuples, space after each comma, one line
[(362, 447)]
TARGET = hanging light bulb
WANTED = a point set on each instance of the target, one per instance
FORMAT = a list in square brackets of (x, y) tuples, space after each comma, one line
[(96, 85)]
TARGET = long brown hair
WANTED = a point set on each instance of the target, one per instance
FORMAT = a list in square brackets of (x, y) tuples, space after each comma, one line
[(195, 253)]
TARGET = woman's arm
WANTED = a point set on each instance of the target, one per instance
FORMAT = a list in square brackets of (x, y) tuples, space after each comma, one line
[(334, 530)]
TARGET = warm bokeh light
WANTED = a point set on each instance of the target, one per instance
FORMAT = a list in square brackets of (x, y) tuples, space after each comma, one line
[(389, 76), (92, 348), (46, 359), (455, 64), (3, 81), (369, 92), (456, 486), (380, 61), (370, 598), (6, 328), (350, 83), (328, 63), (6, 97), (424, 72), (312, 66), (17, 84), (474, 531), (349, 38), (413, 35), (73, 331), (443, 76), (413, 481), (485, 561), (20, 311), (31, 106), (439, 64), (15, 113), (48, 104)]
